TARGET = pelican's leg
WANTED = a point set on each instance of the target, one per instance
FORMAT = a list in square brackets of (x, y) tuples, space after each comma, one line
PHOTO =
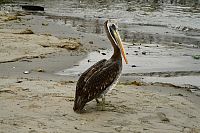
[(98, 104), (103, 103), (97, 101)]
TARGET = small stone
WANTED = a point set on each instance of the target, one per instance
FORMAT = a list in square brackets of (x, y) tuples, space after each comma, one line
[(10, 18), (180, 94), (144, 53), (196, 57), (27, 31), (118, 128), (26, 72), (133, 66), (91, 42), (26, 89), (136, 83), (45, 24), (40, 70), (20, 81), (64, 115), (163, 117), (76, 128)]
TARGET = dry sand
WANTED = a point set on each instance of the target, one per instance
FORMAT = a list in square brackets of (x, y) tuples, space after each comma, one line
[(15, 46), (36, 105)]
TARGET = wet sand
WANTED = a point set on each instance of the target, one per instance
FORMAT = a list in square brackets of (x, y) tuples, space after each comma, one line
[(42, 101), (46, 106)]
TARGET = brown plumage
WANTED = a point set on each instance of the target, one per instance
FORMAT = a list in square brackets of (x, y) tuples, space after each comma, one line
[(99, 78)]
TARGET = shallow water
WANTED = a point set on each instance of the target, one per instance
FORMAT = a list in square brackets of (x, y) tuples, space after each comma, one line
[(143, 21), (152, 67)]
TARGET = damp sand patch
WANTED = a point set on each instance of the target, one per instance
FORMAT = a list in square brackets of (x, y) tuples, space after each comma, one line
[(15, 46)]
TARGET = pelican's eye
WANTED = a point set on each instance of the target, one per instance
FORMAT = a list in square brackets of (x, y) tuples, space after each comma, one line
[(114, 27)]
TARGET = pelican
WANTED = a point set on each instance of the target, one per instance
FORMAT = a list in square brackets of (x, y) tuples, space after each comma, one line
[(96, 81)]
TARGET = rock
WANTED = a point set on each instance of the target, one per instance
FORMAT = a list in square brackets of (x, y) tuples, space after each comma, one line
[(144, 53), (40, 70), (70, 45), (118, 128), (26, 72), (76, 128), (91, 42), (19, 81), (130, 9), (10, 18), (45, 24), (133, 66), (197, 57), (26, 31), (163, 117), (32, 8), (20, 14), (47, 34), (137, 83)]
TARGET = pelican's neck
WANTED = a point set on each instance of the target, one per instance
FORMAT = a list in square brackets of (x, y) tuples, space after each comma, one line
[(117, 52)]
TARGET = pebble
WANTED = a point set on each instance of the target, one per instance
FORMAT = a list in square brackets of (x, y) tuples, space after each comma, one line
[(118, 128), (133, 66), (19, 81), (27, 31), (144, 53), (45, 24), (76, 128), (91, 42), (163, 117), (26, 72), (40, 70)]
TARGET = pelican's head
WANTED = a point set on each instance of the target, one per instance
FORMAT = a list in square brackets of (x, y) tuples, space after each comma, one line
[(113, 35)]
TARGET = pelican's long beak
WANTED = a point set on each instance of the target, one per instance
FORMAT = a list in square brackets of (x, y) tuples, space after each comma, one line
[(121, 46)]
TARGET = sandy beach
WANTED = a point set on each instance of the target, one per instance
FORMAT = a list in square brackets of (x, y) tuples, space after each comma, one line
[(34, 99)]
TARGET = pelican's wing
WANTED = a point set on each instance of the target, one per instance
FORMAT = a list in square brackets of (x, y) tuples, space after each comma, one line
[(100, 81), (87, 74)]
